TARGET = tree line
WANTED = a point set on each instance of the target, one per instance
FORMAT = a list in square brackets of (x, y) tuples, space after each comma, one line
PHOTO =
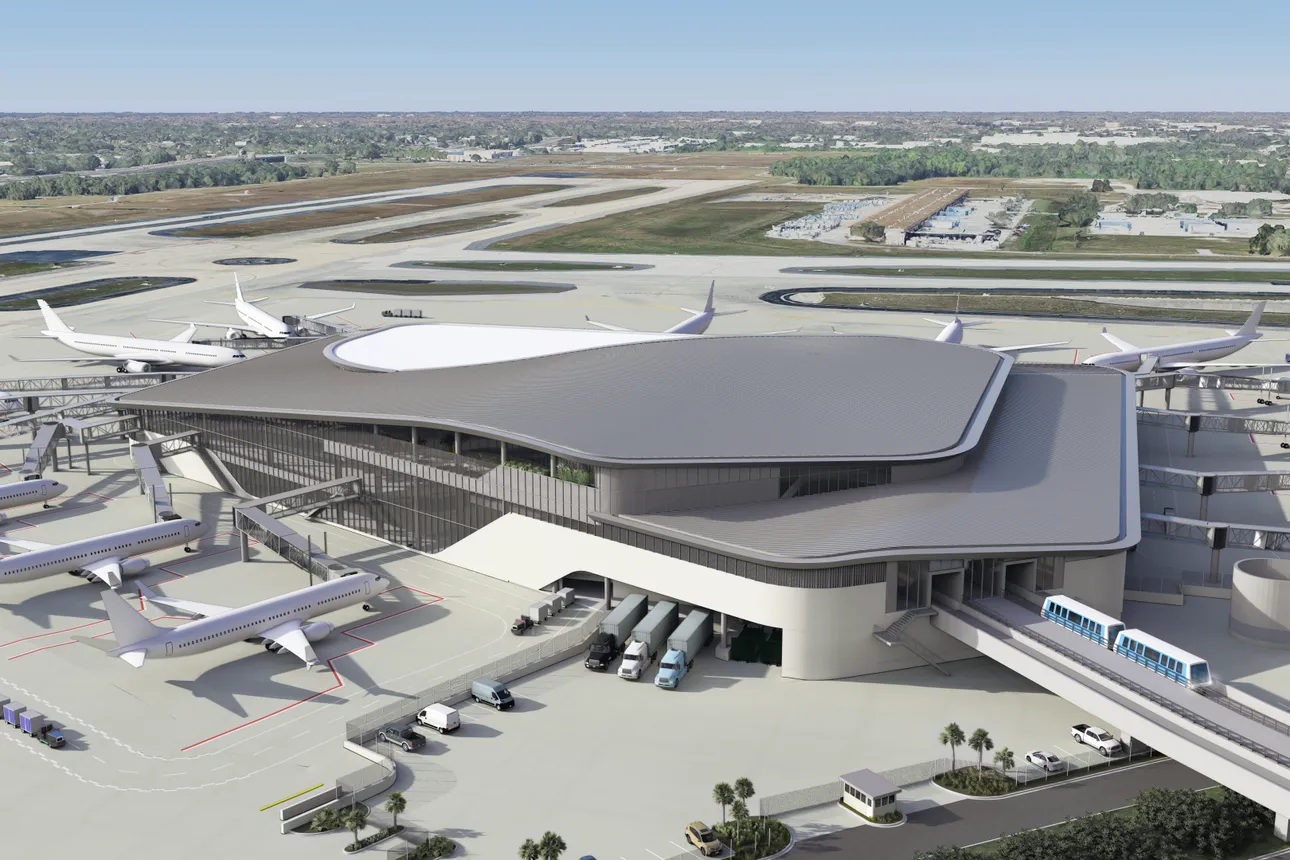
[(1149, 166), (223, 174)]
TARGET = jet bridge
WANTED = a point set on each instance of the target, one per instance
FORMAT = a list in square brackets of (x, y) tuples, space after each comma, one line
[(258, 519), (1245, 746), (147, 469)]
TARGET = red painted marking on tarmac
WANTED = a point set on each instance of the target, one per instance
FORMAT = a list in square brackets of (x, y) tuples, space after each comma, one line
[(367, 643), (1075, 360), (57, 645), (51, 633)]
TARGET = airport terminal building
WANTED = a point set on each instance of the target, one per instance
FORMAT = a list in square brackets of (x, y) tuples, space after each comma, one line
[(827, 486)]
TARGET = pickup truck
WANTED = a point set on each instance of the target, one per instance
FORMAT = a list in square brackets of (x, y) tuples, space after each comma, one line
[(1098, 738)]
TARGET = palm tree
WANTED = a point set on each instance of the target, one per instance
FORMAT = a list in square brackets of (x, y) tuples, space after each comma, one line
[(530, 851), (551, 846), (394, 804), (980, 743), (723, 794), (952, 736), (1005, 760), (326, 820), (744, 788), (739, 812), (354, 819)]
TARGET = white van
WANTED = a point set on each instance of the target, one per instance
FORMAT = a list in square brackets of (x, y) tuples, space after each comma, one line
[(441, 718)]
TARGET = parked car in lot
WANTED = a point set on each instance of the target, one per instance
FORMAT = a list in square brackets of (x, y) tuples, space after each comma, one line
[(1097, 737), (401, 735), (701, 836), (486, 691), (1044, 760)]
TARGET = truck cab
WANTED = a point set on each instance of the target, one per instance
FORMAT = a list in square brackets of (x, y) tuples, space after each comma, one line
[(635, 659), (601, 654), (671, 670), (51, 737)]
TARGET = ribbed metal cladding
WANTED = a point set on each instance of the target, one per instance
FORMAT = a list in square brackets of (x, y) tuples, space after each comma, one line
[(798, 398)]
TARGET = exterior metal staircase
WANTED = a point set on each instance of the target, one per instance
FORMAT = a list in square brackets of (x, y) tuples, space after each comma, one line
[(891, 636)]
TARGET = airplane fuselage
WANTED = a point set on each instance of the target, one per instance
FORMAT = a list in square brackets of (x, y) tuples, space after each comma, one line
[(40, 563), (1193, 352), (952, 333), (263, 322), (697, 324), (29, 493), (248, 622), (143, 349)]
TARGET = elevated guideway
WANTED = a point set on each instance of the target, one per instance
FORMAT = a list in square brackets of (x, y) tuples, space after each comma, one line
[(1245, 747)]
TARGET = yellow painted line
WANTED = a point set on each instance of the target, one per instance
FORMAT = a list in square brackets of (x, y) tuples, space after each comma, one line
[(291, 797)]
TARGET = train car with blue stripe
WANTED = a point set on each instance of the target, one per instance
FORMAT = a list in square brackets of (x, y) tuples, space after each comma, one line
[(1161, 657), (1084, 620)]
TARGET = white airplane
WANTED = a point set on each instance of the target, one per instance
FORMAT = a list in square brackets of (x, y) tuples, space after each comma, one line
[(952, 332), (134, 354), (282, 622), (106, 558), (258, 323), (29, 492), (1187, 357), (696, 324)]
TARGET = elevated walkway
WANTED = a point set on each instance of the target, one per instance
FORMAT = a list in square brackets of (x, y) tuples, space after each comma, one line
[(1250, 755), (253, 519)]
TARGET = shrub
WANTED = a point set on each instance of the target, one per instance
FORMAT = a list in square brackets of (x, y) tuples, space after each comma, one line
[(374, 838), (983, 781), (869, 231), (434, 847), (327, 819)]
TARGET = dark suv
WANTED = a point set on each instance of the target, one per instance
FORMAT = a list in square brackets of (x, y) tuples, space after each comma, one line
[(401, 735)]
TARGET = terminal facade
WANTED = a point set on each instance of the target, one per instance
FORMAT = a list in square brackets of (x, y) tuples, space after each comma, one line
[(822, 485)]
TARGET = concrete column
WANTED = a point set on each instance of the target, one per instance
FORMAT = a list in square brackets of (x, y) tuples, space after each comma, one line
[(1191, 443), (1168, 391), (503, 453), (1142, 397), (552, 463), (723, 644), (88, 469), (1281, 827), (609, 591), (456, 443), (245, 545)]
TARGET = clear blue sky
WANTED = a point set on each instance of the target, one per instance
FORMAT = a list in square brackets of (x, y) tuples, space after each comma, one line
[(147, 55)]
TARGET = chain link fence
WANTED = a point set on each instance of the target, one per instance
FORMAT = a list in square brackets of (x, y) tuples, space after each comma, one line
[(363, 729)]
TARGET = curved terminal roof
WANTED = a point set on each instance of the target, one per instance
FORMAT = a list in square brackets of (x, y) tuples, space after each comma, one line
[(674, 400)]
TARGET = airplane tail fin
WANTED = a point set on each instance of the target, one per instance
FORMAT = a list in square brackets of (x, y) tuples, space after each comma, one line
[(707, 307), (128, 626), (52, 322), (1251, 326), (185, 336), (237, 287)]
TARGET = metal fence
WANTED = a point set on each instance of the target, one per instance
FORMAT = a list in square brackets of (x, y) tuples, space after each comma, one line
[(363, 729), (1174, 584)]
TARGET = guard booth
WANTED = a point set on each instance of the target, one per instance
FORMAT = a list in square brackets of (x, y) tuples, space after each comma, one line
[(869, 794)]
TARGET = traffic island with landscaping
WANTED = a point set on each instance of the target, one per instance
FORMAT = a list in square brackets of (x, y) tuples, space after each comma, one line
[(379, 836), (1215, 824), (753, 838)]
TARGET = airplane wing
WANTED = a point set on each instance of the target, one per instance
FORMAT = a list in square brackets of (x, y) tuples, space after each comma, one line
[(606, 326), (107, 571), (329, 313), (961, 322), (192, 607), (29, 545), (233, 326), (1026, 346), (292, 637), (1119, 344)]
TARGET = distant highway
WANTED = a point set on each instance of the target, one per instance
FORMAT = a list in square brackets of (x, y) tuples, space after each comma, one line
[(118, 171)]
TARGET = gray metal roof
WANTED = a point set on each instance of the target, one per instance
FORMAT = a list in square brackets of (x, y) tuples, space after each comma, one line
[(1056, 468), (768, 398), (870, 783)]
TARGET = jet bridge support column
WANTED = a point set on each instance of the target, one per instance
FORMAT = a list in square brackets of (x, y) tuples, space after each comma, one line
[(1206, 487), (1193, 427), (1216, 538)]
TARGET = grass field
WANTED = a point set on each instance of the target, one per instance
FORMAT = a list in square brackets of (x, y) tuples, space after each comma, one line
[(364, 212), (1231, 276), (434, 228), (699, 225), (1014, 304), (517, 266), (434, 288), (86, 292), (605, 197), (13, 268)]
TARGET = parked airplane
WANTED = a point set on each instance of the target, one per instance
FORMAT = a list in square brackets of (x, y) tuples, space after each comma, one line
[(282, 622), (134, 354), (106, 557), (258, 323), (1187, 357), (952, 332), (29, 492), (696, 324)]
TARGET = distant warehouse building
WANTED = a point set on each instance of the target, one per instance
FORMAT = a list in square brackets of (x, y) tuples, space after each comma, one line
[(825, 486)]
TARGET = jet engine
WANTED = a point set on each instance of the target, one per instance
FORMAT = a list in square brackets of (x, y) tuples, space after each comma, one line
[(317, 630), (233, 334), (134, 566), (133, 366), (272, 646)]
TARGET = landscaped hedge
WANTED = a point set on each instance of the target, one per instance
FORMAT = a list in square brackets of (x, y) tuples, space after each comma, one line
[(374, 838)]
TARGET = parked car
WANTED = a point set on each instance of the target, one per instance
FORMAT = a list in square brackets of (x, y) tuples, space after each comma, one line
[(401, 735), (701, 836), (439, 717), (1044, 760), (486, 691)]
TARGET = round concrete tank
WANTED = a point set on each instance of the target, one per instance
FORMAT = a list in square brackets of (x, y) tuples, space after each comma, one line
[(1260, 610)]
